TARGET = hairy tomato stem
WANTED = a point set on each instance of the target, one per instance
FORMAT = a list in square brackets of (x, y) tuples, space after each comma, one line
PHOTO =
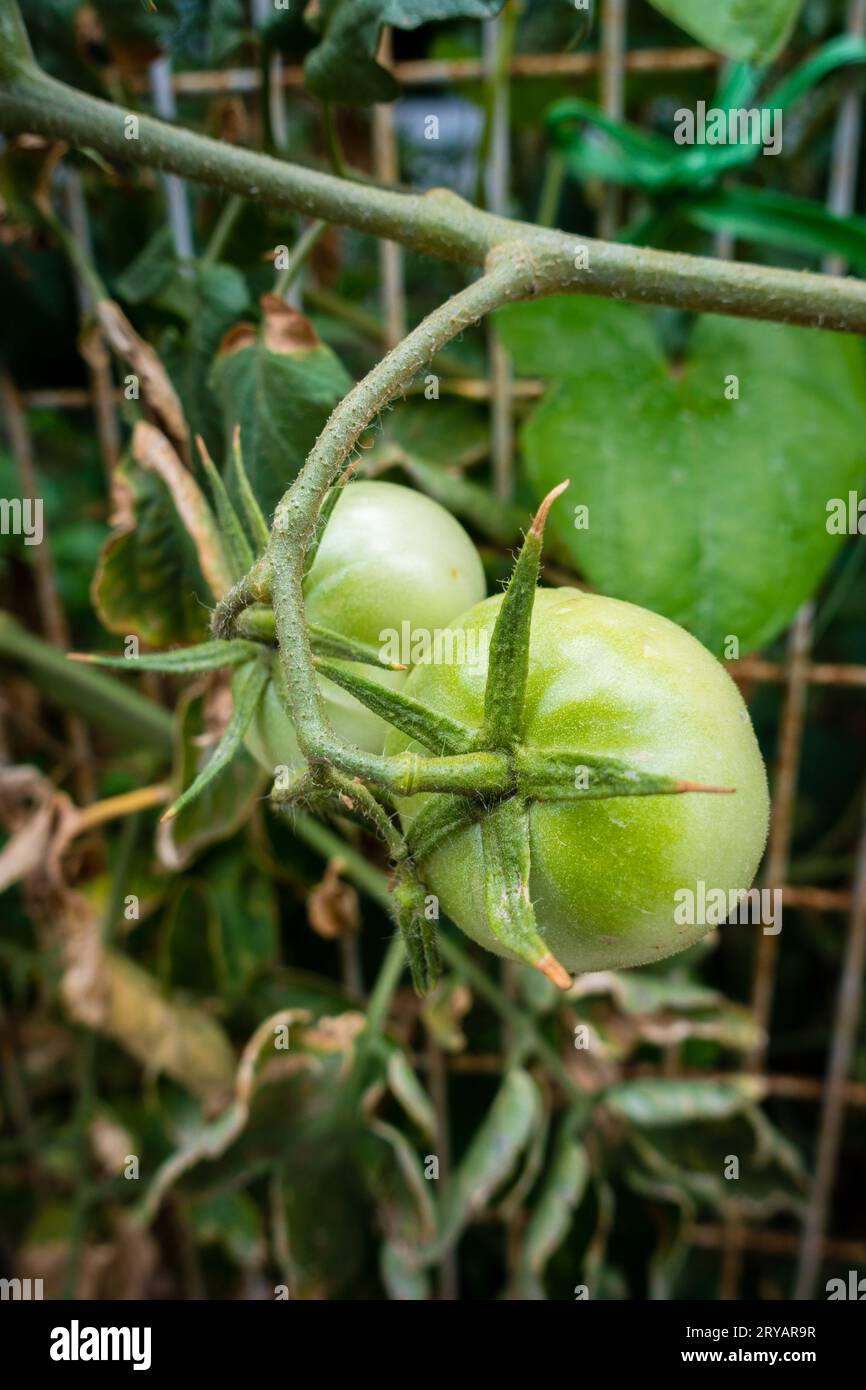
[(294, 529)]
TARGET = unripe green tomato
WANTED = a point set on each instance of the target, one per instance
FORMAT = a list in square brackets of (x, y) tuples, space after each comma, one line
[(389, 556), (607, 678)]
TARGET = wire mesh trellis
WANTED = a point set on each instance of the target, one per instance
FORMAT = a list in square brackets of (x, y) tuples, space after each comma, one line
[(796, 675)]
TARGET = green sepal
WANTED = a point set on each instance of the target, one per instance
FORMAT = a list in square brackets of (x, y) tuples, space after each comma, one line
[(256, 525), (247, 691), (508, 664), (258, 623), (237, 547), (409, 900), (206, 656), (436, 731), (556, 774), (326, 642), (441, 817), (509, 911)]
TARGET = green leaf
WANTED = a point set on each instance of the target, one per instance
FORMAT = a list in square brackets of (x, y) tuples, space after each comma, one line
[(766, 216), (104, 701), (552, 1215), (150, 270), (149, 582), (207, 656), (246, 909), (709, 510), (343, 67), (445, 430), (663, 1007), (689, 1164), (404, 1282), (280, 384), (247, 690), (210, 302), (498, 521), (410, 1093), (226, 801), (653, 1103), (643, 992), (233, 1221), (409, 1167), (753, 32), (492, 1157)]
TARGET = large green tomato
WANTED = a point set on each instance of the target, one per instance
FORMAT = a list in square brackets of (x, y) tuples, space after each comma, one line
[(389, 556), (611, 679)]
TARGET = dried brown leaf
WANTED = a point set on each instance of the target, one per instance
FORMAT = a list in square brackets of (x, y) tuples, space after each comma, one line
[(332, 906), (153, 451), (285, 328), (155, 385)]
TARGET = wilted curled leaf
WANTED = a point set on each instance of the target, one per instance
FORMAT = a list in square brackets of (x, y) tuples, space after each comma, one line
[(442, 1012), (153, 452), (105, 991), (335, 1033), (119, 1267), (212, 1139), (203, 712), (28, 807), (332, 906), (154, 383)]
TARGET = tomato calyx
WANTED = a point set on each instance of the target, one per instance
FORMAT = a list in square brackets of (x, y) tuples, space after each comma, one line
[(483, 774), (530, 774)]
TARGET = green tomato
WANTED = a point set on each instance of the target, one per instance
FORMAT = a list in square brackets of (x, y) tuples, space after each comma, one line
[(389, 556), (611, 679)]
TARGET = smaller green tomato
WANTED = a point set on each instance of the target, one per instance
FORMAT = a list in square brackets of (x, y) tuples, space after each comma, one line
[(389, 556), (610, 679)]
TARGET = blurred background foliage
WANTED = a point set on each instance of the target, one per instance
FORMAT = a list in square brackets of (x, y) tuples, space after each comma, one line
[(559, 1166)]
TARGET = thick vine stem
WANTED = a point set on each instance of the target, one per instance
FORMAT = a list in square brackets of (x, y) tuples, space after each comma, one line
[(294, 526), (438, 222)]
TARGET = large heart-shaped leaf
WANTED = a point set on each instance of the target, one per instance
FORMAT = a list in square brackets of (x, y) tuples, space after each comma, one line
[(280, 384), (706, 481), (751, 30)]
